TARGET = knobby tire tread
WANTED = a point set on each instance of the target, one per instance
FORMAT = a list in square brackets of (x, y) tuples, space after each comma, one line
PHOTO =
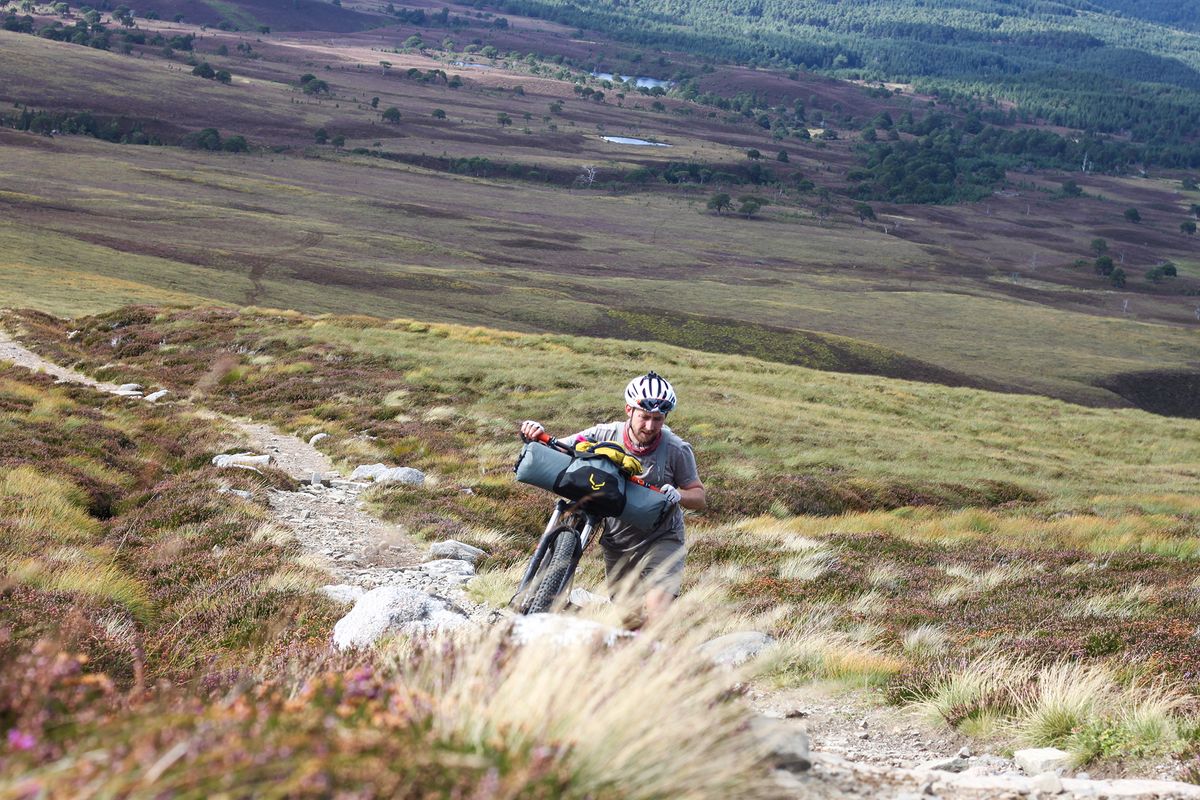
[(554, 579)]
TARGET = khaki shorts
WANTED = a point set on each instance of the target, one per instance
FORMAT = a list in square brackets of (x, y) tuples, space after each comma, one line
[(659, 566)]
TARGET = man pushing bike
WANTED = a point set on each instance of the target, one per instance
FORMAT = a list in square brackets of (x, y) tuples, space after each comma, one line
[(652, 558)]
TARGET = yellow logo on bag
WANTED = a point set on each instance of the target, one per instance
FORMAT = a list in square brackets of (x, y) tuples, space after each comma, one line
[(592, 481)]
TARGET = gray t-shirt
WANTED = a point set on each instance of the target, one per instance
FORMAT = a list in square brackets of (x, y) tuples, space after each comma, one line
[(671, 462)]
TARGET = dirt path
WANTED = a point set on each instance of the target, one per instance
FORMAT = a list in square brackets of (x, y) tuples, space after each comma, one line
[(325, 516), (861, 749), (10, 350)]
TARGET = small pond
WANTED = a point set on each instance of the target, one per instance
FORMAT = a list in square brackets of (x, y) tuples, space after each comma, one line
[(640, 80), (638, 142)]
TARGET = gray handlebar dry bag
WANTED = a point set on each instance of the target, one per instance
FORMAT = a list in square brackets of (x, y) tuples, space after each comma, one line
[(571, 476)]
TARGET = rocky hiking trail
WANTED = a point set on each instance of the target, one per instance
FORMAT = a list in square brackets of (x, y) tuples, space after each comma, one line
[(826, 743)]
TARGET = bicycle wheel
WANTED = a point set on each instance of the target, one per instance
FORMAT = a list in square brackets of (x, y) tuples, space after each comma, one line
[(558, 567)]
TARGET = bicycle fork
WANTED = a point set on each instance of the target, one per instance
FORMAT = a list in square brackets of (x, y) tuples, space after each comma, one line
[(585, 534)]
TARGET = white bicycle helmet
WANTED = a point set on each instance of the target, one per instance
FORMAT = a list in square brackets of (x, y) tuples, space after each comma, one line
[(650, 392)]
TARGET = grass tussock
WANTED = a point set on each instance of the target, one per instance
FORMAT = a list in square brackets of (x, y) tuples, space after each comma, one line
[(1084, 708), (672, 732), (36, 504)]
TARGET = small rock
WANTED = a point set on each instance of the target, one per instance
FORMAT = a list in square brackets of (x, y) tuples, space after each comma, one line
[(787, 745), (1083, 776), (73, 335), (381, 473), (735, 649), (242, 460), (367, 471), (407, 475), (154, 397), (306, 514), (943, 765), (448, 567), (129, 387), (1037, 760), (456, 550), (864, 735), (316, 437), (242, 494), (862, 723), (927, 788), (1048, 783), (964, 752)]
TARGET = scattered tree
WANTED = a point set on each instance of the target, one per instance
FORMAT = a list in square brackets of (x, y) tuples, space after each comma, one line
[(1132, 215), (1099, 246), (504, 119), (720, 203), (204, 70), (864, 211), (439, 113), (1103, 265), (311, 84), (750, 204), (123, 15), (1188, 227), (1117, 277), (1071, 189), (391, 115), (321, 136), (374, 102), (782, 157), (753, 154), (223, 76)]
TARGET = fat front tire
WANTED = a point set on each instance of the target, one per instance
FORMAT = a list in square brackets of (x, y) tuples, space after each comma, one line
[(558, 567)]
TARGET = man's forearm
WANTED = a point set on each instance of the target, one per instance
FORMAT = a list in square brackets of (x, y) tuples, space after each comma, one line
[(693, 498)]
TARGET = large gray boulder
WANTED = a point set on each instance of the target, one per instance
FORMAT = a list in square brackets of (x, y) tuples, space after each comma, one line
[(459, 551), (735, 649), (395, 610)]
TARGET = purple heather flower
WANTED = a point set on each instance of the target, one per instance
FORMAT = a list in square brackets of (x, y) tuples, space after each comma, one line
[(19, 740)]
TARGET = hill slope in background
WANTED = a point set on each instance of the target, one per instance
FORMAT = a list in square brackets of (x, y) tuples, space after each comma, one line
[(489, 196)]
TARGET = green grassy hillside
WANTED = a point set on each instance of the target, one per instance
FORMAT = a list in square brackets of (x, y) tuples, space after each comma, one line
[(888, 532)]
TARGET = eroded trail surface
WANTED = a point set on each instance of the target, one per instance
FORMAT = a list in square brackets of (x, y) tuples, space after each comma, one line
[(860, 749), (325, 516)]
